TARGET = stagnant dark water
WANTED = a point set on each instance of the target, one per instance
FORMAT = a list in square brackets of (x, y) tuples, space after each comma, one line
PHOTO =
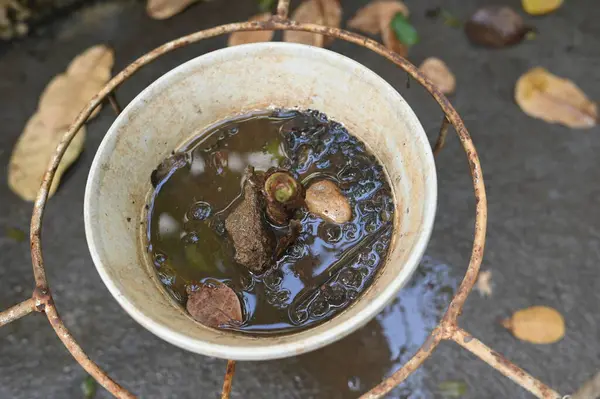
[(327, 267)]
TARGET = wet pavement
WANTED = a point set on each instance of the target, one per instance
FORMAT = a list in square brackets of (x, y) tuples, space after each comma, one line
[(543, 232)]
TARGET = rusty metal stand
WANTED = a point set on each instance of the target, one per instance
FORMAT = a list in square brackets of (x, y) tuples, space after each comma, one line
[(448, 329)]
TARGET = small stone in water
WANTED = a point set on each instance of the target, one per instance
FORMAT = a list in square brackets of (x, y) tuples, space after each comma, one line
[(325, 199)]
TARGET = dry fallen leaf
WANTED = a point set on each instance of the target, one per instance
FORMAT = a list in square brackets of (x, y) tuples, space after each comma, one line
[(163, 9), (437, 71), (252, 36), (320, 12), (371, 17), (540, 7), (214, 306), (484, 283), (537, 324), (542, 95), (59, 104), (496, 26), (376, 17)]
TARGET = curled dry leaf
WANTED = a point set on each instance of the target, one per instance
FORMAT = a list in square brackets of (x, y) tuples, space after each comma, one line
[(320, 12), (59, 104), (484, 283), (163, 9), (540, 7), (439, 73), (252, 36), (376, 17), (325, 199), (214, 306), (496, 26), (542, 95), (537, 324)]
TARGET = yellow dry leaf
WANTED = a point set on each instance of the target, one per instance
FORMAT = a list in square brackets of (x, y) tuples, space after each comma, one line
[(540, 7), (484, 283), (320, 12), (542, 95), (438, 72), (59, 104), (376, 15), (537, 324), (163, 9), (332, 14), (252, 36)]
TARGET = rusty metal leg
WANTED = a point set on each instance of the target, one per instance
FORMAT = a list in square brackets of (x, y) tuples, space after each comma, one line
[(228, 379), (16, 312), (112, 100), (503, 365), (439, 144)]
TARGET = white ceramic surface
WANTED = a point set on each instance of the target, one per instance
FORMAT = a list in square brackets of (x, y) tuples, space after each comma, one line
[(219, 85)]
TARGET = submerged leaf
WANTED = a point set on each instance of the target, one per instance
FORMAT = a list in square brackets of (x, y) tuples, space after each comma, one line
[(163, 9), (320, 12), (89, 387), (439, 73), (252, 36), (496, 26), (452, 389), (537, 324), (540, 7), (60, 103), (15, 234), (379, 17), (542, 95), (214, 306)]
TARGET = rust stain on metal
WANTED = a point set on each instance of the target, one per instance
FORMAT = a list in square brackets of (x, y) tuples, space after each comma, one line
[(230, 371), (17, 311)]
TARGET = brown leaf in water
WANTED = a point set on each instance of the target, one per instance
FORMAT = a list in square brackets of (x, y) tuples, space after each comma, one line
[(537, 324), (163, 9), (484, 283), (214, 306), (496, 26), (59, 104), (438, 72), (320, 12), (376, 17), (252, 36), (545, 96)]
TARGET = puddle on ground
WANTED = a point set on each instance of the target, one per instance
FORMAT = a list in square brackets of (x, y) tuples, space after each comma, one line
[(357, 363)]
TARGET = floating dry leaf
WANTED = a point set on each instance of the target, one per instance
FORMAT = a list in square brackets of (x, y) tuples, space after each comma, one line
[(214, 306), (163, 9), (59, 104), (438, 72), (542, 95), (537, 324), (320, 12), (252, 36), (496, 26), (484, 283), (540, 7), (376, 17)]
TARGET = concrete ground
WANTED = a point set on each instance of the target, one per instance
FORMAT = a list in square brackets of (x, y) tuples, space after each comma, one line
[(543, 233)]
